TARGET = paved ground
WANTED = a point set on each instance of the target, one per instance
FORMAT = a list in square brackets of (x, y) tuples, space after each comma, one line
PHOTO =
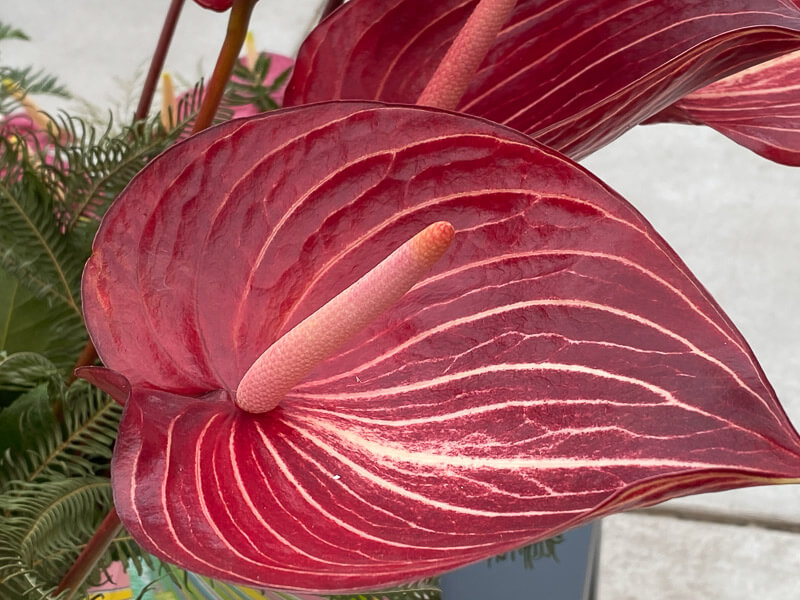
[(733, 217)]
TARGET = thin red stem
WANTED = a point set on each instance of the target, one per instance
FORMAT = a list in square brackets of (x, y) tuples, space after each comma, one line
[(157, 62), (228, 55), (86, 359), (88, 558)]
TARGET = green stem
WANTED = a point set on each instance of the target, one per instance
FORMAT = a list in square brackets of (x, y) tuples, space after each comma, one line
[(228, 55), (91, 553), (157, 62)]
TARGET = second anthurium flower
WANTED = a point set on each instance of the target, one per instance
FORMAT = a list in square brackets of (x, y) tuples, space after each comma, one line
[(554, 361)]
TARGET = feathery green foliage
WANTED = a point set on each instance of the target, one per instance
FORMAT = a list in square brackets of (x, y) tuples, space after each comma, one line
[(26, 79), (54, 485), (247, 85), (9, 32), (76, 444), (31, 246)]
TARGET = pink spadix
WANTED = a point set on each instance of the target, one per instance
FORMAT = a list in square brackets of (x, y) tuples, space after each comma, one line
[(466, 54), (317, 337)]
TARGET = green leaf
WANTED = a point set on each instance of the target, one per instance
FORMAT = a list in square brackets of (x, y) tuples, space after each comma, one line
[(24, 421), (28, 324), (25, 370)]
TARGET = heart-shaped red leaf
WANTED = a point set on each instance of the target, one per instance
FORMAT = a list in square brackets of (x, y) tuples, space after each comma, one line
[(759, 108), (558, 363), (574, 74)]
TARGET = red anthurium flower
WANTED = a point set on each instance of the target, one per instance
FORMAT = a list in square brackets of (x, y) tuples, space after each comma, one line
[(574, 74), (759, 108), (530, 356)]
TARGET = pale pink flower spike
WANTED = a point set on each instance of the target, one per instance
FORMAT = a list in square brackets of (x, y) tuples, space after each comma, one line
[(465, 55), (316, 338)]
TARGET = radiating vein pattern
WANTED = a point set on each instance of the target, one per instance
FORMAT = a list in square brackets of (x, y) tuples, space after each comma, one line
[(574, 74), (759, 108), (558, 363)]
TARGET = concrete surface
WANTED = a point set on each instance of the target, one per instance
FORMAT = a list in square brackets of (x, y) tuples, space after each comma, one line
[(733, 217)]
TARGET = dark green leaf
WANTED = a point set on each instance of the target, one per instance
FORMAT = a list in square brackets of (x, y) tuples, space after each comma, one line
[(25, 420), (29, 324), (25, 370)]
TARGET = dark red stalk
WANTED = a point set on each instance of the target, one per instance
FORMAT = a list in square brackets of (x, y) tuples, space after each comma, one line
[(88, 558), (157, 62), (459, 65), (87, 358), (228, 55)]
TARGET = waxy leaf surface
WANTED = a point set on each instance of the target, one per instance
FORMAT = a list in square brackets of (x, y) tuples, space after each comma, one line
[(759, 108), (557, 364), (574, 74)]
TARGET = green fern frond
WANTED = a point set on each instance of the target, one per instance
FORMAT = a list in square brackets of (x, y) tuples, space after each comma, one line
[(9, 32), (247, 86), (32, 82), (79, 446), (99, 164), (25, 370), (188, 107), (31, 246), (43, 525), (26, 79)]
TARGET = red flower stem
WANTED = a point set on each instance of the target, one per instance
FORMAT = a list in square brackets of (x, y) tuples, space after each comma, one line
[(317, 337), (91, 553), (86, 359), (157, 62), (228, 55), (466, 54), (329, 7)]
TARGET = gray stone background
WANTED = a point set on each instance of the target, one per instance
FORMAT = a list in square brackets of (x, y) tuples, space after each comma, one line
[(732, 216)]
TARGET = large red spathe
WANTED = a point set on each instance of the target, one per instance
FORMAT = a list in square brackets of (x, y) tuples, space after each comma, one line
[(573, 74), (759, 108), (558, 364)]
